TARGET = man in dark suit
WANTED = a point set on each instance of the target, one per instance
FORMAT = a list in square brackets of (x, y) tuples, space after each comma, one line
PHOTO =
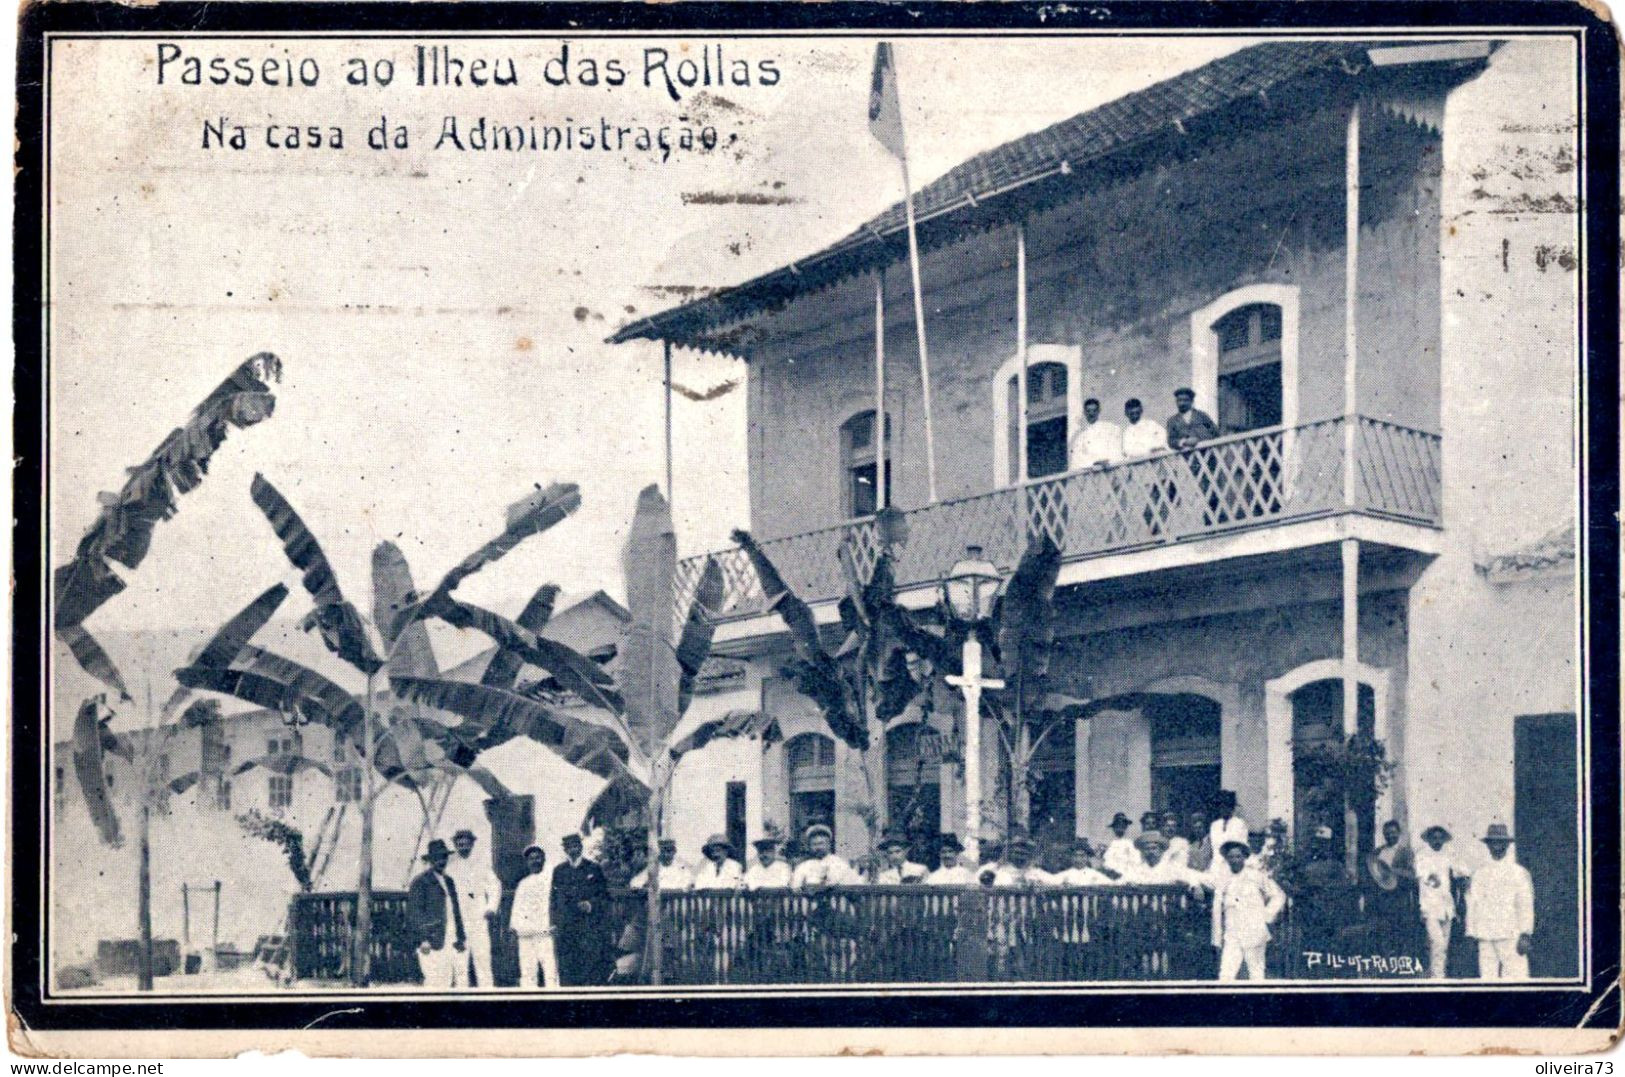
[(1189, 426), (580, 906), (435, 920)]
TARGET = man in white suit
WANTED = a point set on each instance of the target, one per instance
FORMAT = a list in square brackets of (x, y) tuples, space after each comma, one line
[(1501, 910), (1245, 903), (480, 893), (532, 920)]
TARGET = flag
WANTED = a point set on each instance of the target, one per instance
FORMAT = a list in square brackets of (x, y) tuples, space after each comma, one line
[(885, 110)]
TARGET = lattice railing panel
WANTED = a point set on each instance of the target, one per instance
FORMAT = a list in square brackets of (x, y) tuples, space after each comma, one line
[(1399, 470)]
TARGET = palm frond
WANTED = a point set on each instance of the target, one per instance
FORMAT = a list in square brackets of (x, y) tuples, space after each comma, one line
[(503, 669), (284, 763), (93, 658), (123, 530), (90, 767), (694, 643), (590, 739), (649, 671)]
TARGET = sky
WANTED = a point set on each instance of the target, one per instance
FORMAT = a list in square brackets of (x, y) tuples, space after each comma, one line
[(442, 315)]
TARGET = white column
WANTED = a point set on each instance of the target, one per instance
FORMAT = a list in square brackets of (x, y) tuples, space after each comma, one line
[(1021, 348), (1351, 547), (883, 447)]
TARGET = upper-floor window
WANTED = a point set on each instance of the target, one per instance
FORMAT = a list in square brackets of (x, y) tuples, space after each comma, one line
[(861, 471), (1047, 427), (1249, 367), (283, 745)]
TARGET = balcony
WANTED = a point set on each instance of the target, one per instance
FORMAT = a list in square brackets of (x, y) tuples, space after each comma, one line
[(1180, 501)]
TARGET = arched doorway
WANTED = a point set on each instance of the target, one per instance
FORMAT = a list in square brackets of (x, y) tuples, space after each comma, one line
[(1053, 788), (913, 791), (811, 763), (1317, 731)]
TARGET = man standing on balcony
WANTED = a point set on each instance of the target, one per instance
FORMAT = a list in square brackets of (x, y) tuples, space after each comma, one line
[(1501, 910), (1018, 870), (1179, 846), (480, 893), (1200, 857), (1189, 426), (674, 874), (950, 872), (1141, 437), (899, 869), (1245, 903), (822, 867), (1229, 826), (720, 870), (1098, 444), (770, 872)]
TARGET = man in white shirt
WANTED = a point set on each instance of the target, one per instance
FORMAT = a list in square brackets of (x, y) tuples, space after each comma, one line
[(480, 894), (1501, 910), (950, 872), (1155, 869), (1228, 826), (899, 869), (1434, 899), (1018, 869), (1141, 437), (1082, 872), (1121, 855), (674, 874), (1098, 444), (720, 871), (1245, 903), (822, 867), (532, 920), (770, 872)]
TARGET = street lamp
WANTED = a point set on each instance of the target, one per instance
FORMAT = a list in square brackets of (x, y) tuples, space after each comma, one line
[(968, 592)]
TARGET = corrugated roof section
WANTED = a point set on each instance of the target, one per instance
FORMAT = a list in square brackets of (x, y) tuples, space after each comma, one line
[(1086, 138)]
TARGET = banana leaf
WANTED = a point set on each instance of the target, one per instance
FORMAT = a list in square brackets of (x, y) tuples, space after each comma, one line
[(1025, 619), (590, 739), (123, 530), (268, 680), (649, 671), (694, 643), (489, 783), (235, 634), (411, 653), (89, 766), (797, 615), (335, 617), (730, 726), (575, 672), (92, 658), (503, 669), (284, 763), (179, 785)]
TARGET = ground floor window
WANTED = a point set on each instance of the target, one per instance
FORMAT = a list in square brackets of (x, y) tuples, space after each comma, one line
[(811, 759), (280, 791), (1185, 765)]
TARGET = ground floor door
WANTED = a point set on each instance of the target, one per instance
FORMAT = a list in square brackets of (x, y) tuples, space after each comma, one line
[(1545, 822)]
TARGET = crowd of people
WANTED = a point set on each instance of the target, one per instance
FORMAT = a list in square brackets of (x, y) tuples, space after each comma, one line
[(562, 916)]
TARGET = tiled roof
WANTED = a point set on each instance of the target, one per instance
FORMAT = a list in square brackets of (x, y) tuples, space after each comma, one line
[(1052, 154)]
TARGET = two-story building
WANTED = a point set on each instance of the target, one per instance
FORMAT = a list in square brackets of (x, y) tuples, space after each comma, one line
[(1360, 255)]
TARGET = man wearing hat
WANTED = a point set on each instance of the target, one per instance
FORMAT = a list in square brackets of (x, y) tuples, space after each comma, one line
[(770, 872), (720, 870), (1434, 897), (1501, 910), (1246, 902), (822, 866), (1018, 869), (1227, 826), (480, 893), (532, 920), (950, 872), (1082, 872), (580, 911), (1121, 856), (435, 920), (898, 869), (1189, 426), (674, 874), (1155, 869)]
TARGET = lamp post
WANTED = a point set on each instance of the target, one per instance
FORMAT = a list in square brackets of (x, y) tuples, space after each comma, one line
[(968, 592)]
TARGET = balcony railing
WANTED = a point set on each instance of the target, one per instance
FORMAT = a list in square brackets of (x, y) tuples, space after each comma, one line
[(1257, 479)]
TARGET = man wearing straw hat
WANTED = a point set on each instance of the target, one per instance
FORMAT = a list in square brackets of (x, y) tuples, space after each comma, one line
[(1245, 904), (436, 922), (1434, 898), (950, 872), (822, 866), (1121, 856), (898, 869), (1501, 910), (720, 871), (771, 871)]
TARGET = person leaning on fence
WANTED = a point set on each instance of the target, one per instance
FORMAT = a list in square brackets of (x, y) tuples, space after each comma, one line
[(1245, 903), (674, 874), (435, 920), (532, 921), (1501, 910), (1435, 899), (1121, 855), (1018, 869), (770, 871), (950, 871), (1155, 869), (720, 871), (822, 866), (898, 869)]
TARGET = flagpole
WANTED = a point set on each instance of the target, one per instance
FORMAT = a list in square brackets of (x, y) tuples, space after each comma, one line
[(882, 469), (919, 332)]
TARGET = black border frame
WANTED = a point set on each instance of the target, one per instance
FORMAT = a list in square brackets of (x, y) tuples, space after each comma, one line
[(1598, 1006)]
